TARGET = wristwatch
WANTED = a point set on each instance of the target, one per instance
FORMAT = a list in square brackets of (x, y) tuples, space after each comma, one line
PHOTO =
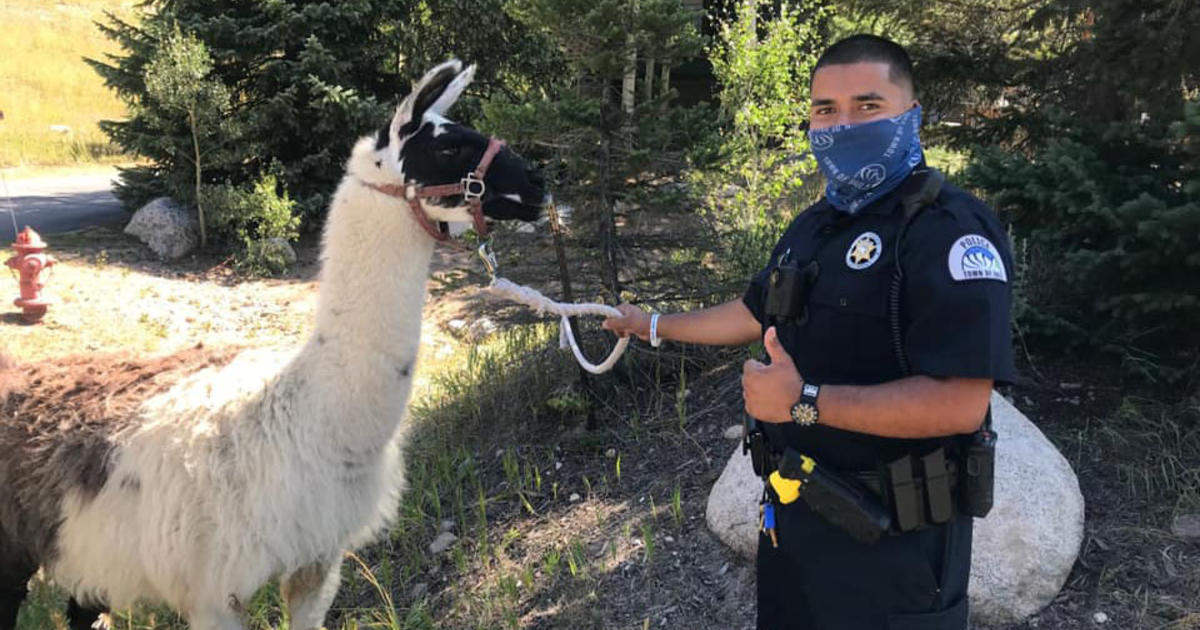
[(804, 412)]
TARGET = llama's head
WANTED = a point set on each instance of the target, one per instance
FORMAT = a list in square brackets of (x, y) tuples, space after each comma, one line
[(420, 147)]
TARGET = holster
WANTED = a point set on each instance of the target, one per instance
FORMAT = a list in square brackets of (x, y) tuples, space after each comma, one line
[(754, 442), (842, 501)]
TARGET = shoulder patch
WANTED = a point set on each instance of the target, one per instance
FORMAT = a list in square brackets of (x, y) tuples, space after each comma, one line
[(973, 257)]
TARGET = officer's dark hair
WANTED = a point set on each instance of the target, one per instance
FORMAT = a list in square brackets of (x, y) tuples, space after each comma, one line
[(870, 48)]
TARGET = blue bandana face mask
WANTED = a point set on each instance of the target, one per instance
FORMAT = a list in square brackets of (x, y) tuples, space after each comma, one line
[(864, 162)]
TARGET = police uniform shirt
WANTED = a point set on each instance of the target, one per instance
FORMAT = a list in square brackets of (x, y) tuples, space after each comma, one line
[(955, 308)]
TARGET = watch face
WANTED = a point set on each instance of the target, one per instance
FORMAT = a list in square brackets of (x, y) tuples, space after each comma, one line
[(804, 413)]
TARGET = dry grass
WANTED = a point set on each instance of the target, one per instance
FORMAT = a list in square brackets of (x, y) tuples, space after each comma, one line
[(106, 308), (44, 81)]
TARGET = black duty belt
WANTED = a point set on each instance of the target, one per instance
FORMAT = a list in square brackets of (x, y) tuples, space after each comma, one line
[(915, 492)]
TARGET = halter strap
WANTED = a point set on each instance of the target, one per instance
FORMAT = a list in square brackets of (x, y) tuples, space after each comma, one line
[(471, 187)]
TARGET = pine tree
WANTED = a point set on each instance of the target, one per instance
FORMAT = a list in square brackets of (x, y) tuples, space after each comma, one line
[(305, 79), (1094, 162), (604, 126)]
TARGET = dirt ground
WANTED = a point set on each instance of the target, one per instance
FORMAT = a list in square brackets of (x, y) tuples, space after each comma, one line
[(612, 533)]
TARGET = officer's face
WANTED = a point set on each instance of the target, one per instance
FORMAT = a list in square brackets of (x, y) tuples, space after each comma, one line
[(853, 93)]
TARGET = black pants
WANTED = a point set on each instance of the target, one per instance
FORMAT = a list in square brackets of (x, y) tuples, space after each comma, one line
[(819, 578)]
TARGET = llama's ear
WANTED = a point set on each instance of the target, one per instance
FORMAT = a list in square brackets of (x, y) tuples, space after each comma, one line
[(453, 91), (427, 92)]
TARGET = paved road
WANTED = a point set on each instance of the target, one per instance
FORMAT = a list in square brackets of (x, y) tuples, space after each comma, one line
[(52, 205)]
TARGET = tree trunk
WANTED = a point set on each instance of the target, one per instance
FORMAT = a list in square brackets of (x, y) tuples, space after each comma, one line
[(648, 80), (665, 86), (199, 204), (629, 84), (564, 277)]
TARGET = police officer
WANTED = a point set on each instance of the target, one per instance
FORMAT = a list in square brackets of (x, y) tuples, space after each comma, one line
[(845, 385)]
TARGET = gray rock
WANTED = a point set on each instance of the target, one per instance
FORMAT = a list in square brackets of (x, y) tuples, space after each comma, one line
[(734, 432), (481, 328), (1187, 527), (443, 542), (1023, 551), (1026, 546), (168, 228), (732, 512), (278, 247)]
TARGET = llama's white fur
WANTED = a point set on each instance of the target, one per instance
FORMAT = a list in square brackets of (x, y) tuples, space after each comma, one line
[(278, 462)]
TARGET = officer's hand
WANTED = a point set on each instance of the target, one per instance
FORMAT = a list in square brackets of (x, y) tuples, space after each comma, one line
[(771, 390), (633, 320)]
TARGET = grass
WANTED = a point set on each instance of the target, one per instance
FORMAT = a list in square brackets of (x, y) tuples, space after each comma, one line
[(44, 81), (112, 299), (1163, 444)]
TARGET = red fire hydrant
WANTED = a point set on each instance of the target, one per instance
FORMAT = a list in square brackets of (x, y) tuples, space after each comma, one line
[(29, 262)]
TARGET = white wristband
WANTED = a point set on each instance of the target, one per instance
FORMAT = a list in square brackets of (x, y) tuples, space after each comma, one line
[(655, 340)]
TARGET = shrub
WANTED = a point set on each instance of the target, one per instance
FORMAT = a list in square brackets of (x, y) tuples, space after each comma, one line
[(254, 220), (767, 174)]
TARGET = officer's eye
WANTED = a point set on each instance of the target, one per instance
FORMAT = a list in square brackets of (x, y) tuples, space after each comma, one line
[(823, 111), (867, 107)]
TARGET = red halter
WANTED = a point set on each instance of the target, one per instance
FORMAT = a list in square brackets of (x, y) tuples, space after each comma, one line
[(471, 188)]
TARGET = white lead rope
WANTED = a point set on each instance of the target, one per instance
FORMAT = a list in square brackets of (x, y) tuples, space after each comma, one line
[(541, 304)]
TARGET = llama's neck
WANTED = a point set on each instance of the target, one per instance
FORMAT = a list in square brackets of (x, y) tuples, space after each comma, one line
[(375, 262)]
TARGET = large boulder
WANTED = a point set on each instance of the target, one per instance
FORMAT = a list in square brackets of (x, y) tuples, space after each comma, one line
[(1026, 546), (166, 227), (1024, 549)]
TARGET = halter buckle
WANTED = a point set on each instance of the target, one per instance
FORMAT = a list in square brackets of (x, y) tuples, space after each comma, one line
[(473, 187)]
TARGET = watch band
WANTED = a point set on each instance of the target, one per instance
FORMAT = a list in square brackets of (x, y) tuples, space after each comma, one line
[(809, 393), (805, 412)]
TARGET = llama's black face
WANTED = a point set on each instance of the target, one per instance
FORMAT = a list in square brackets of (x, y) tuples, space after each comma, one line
[(442, 152), (429, 150)]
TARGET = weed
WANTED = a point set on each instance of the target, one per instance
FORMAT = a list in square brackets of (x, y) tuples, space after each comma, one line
[(386, 616), (677, 505), (550, 562), (648, 541)]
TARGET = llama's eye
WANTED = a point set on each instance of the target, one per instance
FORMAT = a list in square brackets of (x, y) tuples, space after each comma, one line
[(448, 152)]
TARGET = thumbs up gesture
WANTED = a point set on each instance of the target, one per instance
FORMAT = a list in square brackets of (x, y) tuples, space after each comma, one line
[(771, 390)]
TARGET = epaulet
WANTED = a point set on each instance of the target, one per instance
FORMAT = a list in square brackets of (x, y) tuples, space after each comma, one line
[(924, 193)]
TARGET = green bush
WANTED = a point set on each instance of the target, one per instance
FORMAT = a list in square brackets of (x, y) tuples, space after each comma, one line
[(1109, 224), (255, 220), (766, 174)]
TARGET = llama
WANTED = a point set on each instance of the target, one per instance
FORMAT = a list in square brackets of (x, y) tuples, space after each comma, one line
[(193, 480)]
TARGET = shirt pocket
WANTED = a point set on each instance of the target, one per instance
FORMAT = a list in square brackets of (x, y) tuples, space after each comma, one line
[(849, 317)]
